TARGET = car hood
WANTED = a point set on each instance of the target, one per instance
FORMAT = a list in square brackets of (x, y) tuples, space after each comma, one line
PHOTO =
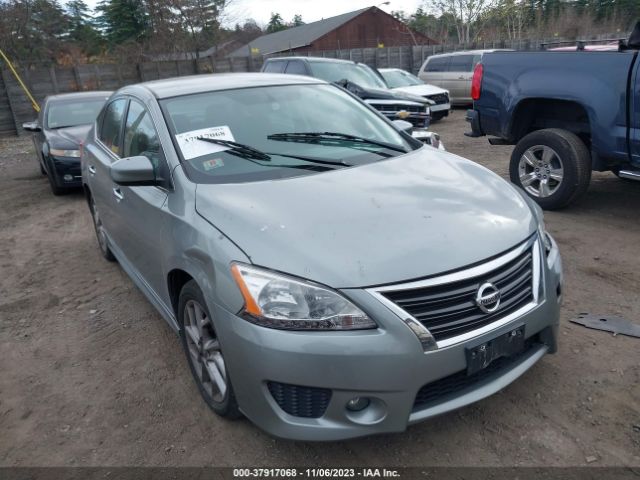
[(400, 219), (68, 136), (367, 93), (421, 90)]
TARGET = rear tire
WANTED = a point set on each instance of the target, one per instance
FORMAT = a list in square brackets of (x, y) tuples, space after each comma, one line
[(552, 166), (101, 234), (203, 350)]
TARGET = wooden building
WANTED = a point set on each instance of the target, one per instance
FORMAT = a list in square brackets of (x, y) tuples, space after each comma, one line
[(366, 28)]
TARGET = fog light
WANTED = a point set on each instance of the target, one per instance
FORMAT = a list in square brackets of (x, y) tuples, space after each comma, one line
[(357, 404), (68, 178)]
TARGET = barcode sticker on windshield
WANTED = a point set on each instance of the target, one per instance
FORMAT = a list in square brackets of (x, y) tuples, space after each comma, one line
[(192, 147)]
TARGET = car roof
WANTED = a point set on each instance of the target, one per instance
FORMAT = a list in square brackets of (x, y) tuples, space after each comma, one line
[(469, 52), (393, 70), (63, 97), (179, 86), (313, 59)]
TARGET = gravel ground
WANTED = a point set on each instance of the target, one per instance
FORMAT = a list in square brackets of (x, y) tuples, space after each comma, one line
[(91, 375)]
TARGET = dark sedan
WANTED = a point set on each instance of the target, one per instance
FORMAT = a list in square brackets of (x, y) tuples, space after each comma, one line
[(61, 127)]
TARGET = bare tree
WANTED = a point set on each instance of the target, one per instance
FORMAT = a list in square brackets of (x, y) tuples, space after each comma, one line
[(465, 13)]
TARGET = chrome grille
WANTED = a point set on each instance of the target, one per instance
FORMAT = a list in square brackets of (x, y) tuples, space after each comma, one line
[(439, 98), (448, 310)]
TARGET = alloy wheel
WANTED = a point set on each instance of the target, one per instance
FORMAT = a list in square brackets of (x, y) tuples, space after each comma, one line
[(204, 351), (541, 171)]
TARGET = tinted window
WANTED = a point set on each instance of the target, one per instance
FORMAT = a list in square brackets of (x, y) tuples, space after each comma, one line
[(276, 66), (141, 138), (70, 114), (357, 73), (296, 67), (437, 64), (461, 63), (111, 125)]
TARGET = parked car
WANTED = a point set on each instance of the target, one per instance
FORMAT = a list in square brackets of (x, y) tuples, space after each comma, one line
[(568, 113), (365, 83), (403, 81), (62, 124), (329, 275), (452, 71)]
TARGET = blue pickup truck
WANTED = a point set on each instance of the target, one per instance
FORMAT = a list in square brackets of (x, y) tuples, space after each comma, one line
[(567, 113)]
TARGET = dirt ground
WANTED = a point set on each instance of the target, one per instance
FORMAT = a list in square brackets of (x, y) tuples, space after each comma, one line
[(91, 375)]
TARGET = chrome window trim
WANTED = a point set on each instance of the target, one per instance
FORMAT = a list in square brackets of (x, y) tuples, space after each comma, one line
[(423, 334)]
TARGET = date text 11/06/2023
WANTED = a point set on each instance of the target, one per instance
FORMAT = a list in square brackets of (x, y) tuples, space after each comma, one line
[(315, 473)]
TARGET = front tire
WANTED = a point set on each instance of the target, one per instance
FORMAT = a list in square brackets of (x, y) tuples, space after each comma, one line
[(55, 188), (552, 166), (204, 353)]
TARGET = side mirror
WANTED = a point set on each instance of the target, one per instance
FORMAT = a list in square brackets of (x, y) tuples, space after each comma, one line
[(31, 127), (133, 171), (403, 125)]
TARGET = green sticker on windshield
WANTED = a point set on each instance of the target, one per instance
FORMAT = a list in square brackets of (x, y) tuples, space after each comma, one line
[(213, 163)]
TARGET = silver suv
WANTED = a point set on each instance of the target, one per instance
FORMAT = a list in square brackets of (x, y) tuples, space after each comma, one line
[(329, 276), (453, 71)]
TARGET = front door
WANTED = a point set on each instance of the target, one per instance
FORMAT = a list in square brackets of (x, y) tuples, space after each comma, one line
[(143, 219)]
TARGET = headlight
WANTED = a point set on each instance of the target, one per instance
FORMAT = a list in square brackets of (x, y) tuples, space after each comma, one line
[(278, 301), (65, 153), (544, 238)]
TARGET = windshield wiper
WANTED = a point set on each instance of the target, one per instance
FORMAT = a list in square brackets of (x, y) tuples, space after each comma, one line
[(252, 154), (321, 161), (332, 138), (238, 149)]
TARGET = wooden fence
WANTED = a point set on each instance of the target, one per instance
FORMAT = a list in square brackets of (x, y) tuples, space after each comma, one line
[(16, 109)]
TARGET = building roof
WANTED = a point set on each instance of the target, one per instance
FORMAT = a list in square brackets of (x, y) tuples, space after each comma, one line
[(175, 87), (296, 37)]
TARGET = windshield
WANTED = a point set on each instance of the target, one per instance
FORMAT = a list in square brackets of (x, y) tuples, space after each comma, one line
[(70, 114), (354, 72), (399, 78), (237, 136)]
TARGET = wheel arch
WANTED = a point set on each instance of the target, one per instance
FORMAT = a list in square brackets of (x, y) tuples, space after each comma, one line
[(531, 114)]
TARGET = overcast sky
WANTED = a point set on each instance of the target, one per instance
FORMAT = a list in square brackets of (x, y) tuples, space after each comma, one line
[(311, 10)]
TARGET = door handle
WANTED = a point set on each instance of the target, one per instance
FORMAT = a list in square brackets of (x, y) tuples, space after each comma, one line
[(461, 78), (118, 194), (92, 169)]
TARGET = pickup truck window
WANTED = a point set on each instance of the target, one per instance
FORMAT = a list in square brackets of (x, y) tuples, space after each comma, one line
[(276, 66), (296, 67)]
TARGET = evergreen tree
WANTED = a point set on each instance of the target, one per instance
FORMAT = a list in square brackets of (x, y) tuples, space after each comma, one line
[(82, 29), (123, 20), (276, 23), (297, 21)]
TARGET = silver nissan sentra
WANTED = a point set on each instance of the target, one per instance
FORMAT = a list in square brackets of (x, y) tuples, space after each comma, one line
[(329, 276)]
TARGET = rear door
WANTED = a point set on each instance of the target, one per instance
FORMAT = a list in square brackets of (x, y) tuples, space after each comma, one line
[(100, 155), (457, 78), (433, 70)]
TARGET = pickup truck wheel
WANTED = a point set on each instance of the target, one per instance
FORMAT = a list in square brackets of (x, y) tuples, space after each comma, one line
[(553, 166)]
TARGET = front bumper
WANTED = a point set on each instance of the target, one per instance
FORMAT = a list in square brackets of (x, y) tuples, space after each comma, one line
[(66, 171), (387, 365)]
